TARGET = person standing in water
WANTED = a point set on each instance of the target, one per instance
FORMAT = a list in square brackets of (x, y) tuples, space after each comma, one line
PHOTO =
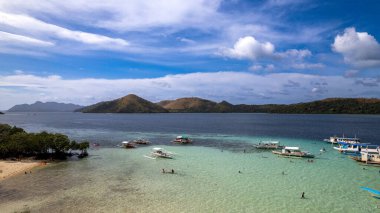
[(303, 195)]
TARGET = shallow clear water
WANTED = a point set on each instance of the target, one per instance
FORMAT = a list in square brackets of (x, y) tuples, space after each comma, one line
[(206, 178)]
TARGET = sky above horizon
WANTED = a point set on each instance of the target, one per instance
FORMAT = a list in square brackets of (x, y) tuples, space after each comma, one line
[(254, 52)]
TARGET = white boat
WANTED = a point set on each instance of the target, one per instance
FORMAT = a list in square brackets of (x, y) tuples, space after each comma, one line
[(158, 152), (182, 139), (293, 152), (128, 145), (356, 148), (335, 140), (368, 157), (269, 145)]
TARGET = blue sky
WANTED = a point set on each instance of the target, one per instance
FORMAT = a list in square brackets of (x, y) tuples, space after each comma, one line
[(267, 51)]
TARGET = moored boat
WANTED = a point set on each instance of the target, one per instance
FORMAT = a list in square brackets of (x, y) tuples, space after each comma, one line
[(368, 157), (182, 139), (128, 145), (293, 152), (336, 140), (356, 148), (158, 152), (269, 145), (141, 141)]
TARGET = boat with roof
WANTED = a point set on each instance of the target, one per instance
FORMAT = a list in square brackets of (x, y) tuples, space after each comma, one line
[(356, 148), (336, 140), (293, 152), (269, 145), (158, 152), (368, 157), (182, 140)]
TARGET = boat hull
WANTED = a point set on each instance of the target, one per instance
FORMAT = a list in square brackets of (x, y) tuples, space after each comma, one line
[(299, 155)]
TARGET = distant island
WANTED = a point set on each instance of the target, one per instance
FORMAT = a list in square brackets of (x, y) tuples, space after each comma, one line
[(1, 113), (134, 104), (45, 107), (128, 104)]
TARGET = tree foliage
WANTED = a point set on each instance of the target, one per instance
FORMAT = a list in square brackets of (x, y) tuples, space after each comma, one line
[(15, 142)]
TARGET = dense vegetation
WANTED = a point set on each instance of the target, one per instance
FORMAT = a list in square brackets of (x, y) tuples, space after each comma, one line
[(327, 106), (16, 143)]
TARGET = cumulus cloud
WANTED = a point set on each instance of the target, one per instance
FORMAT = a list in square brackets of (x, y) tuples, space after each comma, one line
[(249, 48), (358, 48), (294, 53), (247, 88)]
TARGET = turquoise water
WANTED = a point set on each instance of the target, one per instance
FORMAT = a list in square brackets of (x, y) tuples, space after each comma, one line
[(206, 179)]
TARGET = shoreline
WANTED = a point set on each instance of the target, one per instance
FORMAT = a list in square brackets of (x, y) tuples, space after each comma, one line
[(10, 168)]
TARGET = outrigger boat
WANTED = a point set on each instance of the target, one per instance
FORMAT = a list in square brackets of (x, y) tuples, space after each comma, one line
[(158, 152), (356, 148), (182, 140), (128, 145), (336, 140), (293, 152), (269, 145), (368, 157), (141, 141)]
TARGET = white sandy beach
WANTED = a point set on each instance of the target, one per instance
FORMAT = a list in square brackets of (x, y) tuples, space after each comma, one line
[(11, 168)]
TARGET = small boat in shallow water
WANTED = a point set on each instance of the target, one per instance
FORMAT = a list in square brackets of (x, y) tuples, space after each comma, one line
[(158, 152), (141, 141), (182, 140), (269, 145), (368, 157), (356, 148), (128, 145), (293, 152)]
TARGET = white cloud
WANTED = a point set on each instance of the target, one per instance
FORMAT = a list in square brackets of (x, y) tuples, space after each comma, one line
[(249, 48), (358, 48), (120, 15), (247, 88), (35, 26), (295, 54), (258, 67), (13, 39), (308, 66), (27, 25)]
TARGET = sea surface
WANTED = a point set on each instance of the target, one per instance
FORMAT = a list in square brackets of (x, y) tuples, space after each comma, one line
[(207, 177)]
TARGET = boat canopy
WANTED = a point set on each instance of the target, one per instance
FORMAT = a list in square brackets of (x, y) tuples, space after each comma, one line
[(355, 144), (125, 142), (292, 148)]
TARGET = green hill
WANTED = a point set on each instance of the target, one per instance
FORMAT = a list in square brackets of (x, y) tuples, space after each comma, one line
[(135, 104), (127, 104)]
